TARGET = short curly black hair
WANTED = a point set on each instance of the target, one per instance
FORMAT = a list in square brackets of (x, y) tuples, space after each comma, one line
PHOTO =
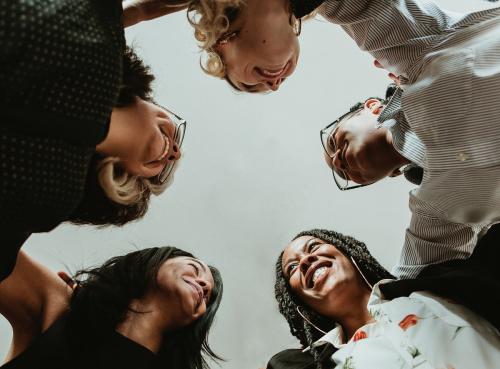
[(289, 302), (96, 208)]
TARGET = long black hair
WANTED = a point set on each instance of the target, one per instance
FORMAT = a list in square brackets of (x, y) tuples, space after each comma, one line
[(101, 301), (289, 303)]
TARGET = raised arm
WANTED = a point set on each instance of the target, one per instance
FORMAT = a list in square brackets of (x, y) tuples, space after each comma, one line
[(136, 11), (31, 299)]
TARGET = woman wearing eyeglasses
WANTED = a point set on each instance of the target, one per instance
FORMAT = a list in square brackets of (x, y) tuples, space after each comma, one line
[(48, 180), (151, 308), (333, 294)]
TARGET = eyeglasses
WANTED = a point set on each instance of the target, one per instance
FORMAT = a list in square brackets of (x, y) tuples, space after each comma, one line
[(180, 129), (329, 145)]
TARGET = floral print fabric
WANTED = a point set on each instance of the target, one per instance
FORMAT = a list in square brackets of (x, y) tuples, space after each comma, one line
[(420, 331)]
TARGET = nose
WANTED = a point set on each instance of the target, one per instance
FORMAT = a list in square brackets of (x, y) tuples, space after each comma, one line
[(306, 262), (274, 84), (337, 162), (205, 286), (175, 152)]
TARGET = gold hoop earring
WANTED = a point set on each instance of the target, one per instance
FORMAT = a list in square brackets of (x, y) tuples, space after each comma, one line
[(296, 24), (307, 320), (362, 275)]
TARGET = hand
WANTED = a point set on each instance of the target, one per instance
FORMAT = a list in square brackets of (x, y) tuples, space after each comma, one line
[(70, 282), (136, 11), (392, 76)]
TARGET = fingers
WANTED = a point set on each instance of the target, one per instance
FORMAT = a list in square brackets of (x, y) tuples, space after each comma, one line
[(67, 279), (392, 76)]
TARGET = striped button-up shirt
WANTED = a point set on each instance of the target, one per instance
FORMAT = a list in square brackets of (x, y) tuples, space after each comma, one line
[(446, 118)]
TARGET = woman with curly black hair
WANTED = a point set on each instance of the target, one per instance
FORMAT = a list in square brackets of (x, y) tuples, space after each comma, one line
[(329, 289), (151, 308)]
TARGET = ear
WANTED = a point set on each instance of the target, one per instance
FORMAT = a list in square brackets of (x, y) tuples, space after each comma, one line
[(395, 173), (377, 64), (374, 105)]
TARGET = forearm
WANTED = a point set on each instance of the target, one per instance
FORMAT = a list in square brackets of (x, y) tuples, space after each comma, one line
[(395, 32), (136, 11)]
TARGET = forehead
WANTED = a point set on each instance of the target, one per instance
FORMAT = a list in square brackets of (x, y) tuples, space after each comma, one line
[(351, 116), (297, 246)]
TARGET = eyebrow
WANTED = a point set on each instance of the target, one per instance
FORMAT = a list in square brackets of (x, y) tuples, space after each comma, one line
[(199, 263), (303, 248)]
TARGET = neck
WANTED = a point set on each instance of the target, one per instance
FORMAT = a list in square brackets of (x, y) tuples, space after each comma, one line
[(144, 327), (398, 159), (356, 317)]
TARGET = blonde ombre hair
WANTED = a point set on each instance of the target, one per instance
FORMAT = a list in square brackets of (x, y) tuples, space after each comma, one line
[(112, 196), (211, 19), (125, 188)]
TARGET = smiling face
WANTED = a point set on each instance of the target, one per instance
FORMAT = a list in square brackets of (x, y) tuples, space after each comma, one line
[(185, 284), (322, 277), (260, 48), (141, 135), (362, 151)]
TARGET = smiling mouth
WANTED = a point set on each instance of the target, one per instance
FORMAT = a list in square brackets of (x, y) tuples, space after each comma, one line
[(198, 293), (164, 152), (315, 273), (274, 73)]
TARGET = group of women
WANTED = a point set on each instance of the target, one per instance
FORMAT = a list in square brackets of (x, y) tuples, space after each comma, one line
[(83, 140)]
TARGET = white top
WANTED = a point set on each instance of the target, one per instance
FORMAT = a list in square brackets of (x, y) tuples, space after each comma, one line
[(446, 119), (422, 331)]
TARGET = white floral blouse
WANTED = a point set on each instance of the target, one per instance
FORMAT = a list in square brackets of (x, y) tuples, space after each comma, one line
[(420, 331)]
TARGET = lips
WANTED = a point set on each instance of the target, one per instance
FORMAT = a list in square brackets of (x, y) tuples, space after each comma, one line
[(315, 272), (197, 291), (166, 147), (273, 73)]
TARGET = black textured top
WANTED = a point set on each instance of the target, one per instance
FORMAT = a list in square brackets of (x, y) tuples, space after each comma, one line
[(301, 8), (60, 73), (53, 350)]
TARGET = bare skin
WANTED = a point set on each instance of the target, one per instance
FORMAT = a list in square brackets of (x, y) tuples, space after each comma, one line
[(136, 11), (337, 291), (32, 298), (142, 137)]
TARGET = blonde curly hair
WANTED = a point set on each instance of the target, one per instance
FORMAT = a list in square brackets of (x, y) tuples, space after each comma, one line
[(211, 19)]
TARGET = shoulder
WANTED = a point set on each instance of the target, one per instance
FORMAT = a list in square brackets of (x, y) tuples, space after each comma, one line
[(32, 298)]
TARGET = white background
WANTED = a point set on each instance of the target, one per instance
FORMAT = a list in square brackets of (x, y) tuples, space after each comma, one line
[(252, 177)]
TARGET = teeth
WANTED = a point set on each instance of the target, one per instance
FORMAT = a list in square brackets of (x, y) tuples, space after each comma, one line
[(318, 273), (269, 73), (165, 149)]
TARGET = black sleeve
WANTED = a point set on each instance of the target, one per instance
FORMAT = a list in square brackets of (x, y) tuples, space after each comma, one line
[(474, 283)]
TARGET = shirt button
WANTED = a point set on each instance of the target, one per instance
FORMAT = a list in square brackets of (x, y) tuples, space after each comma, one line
[(462, 156)]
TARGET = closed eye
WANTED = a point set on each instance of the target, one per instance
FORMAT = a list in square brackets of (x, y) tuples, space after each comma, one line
[(196, 269)]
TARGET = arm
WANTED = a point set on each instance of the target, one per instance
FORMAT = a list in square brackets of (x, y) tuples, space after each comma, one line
[(431, 239), (397, 33), (31, 299), (136, 11)]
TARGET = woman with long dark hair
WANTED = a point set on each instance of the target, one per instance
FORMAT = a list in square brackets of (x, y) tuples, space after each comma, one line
[(329, 289), (146, 309)]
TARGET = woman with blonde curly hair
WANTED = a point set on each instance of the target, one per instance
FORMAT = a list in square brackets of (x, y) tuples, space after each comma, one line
[(251, 44)]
